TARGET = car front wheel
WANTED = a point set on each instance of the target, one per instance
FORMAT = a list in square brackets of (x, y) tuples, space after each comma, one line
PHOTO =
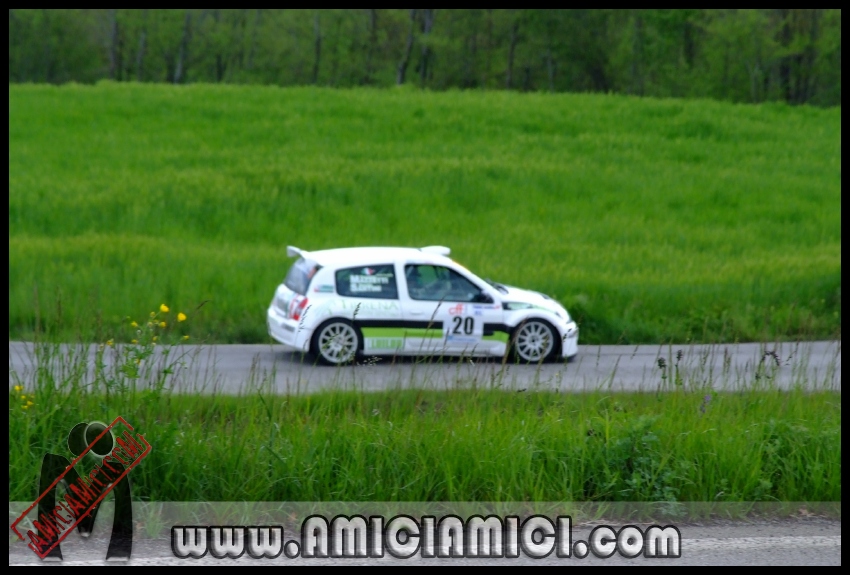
[(336, 342), (534, 341)]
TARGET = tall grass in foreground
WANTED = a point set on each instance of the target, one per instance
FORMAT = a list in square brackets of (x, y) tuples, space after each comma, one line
[(682, 443), (651, 220)]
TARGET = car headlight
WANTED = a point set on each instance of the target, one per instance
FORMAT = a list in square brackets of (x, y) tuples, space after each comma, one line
[(512, 305)]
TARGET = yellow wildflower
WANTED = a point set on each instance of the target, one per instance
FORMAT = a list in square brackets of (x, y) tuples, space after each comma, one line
[(134, 341), (18, 388), (30, 403), (181, 316), (109, 343), (23, 397), (185, 337), (162, 324), (163, 308), (155, 338), (153, 314), (134, 324), (25, 407)]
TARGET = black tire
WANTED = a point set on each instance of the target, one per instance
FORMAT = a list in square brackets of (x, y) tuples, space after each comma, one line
[(534, 341), (336, 342)]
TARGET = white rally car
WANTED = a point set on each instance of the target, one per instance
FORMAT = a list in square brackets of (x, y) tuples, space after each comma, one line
[(341, 303)]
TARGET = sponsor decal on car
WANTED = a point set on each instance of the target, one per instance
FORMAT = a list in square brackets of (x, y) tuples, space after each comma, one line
[(324, 288), (456, 309), (376, 343), (461, 339), (365, 308)]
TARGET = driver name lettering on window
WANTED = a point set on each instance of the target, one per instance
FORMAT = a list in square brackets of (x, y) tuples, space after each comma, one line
[(367, 282), (361, 283)]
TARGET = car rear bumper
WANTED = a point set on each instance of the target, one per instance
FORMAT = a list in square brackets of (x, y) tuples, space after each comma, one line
[(286, 331)]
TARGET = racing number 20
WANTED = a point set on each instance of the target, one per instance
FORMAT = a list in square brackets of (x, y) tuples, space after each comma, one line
[(463, 325)]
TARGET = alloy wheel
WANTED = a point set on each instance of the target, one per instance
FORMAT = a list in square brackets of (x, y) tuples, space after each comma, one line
[(534, 341), (337, 343)]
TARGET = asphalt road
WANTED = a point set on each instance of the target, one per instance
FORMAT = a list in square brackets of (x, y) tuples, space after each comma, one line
[(239, 368)]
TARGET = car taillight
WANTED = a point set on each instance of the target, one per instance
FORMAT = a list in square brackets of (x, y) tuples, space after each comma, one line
[(297, 307)]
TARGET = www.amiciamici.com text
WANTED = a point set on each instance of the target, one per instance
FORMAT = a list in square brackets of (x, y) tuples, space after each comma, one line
[(404, 536)]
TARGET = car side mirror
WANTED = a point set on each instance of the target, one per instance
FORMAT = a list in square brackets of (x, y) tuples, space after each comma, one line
[(483, 297)]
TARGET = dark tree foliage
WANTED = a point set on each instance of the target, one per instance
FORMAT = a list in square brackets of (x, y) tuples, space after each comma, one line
[(791, 55)]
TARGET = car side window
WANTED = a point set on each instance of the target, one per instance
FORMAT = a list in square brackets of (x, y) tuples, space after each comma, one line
[(367, 282), (437, 283)]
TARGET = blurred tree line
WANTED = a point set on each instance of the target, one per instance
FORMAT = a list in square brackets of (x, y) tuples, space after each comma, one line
[(738, 55)]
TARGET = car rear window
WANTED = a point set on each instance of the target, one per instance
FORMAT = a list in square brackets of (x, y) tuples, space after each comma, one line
[(300, 274), (367, 281)]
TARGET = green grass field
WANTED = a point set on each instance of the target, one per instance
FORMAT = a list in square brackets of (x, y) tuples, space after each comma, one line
[(651, 220), (465, 443)]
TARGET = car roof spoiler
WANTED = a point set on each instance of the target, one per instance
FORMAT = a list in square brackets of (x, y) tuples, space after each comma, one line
[(438, 250), (292, 251)]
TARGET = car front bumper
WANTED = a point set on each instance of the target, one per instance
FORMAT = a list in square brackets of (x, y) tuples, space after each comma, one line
[(569, 337)]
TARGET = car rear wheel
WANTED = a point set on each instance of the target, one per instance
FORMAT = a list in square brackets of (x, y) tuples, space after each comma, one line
[(534, 341), (336, 342)]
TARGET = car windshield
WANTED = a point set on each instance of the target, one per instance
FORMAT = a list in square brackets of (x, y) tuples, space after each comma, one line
[(300, 274)]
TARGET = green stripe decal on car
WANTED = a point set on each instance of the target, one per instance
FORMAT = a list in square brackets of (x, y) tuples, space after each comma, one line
[(401, 332), (498, 336)]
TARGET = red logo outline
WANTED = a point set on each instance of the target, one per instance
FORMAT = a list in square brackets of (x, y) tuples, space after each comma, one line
[(91, 505)]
